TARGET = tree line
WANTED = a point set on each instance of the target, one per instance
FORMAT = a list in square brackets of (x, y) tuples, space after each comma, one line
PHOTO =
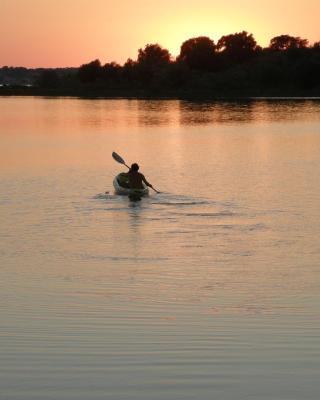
[(233, 66)]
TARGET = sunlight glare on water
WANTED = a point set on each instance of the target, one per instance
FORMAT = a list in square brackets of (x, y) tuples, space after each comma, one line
[(207, 290)]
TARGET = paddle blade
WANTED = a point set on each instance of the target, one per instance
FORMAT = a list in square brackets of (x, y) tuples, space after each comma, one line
[(119, 159)]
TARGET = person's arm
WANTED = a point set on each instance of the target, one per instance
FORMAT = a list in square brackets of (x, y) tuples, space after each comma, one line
[(146, 182), (149, 184)]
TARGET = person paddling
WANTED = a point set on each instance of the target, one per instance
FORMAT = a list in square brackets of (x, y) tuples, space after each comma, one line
[(136, 178)]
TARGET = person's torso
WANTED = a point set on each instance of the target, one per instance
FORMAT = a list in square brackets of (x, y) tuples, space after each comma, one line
[(135, 180)]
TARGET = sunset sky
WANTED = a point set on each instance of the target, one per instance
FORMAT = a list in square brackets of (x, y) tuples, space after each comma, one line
[(61, 33)]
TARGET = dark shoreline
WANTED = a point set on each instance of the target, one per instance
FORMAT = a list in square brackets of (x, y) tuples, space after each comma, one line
[(21, 91), (238, 68)]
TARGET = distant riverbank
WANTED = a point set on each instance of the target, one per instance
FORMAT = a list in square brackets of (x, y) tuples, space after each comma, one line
[(235, 67), (158, 94)]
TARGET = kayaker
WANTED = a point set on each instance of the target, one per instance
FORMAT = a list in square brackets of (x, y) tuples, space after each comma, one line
[(136, 178)]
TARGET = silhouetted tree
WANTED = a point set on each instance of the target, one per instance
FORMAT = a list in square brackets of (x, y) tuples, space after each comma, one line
[(129, 70), (48, 79), (90, 72), (111, 72), (151, 66), (236, 66), (178, 75), (237, 47), (286, 42), (198, 53), (129, 63), (306, 73), (153, 56)]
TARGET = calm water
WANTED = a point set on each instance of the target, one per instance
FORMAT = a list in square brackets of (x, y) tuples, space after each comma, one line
[(209, 290)]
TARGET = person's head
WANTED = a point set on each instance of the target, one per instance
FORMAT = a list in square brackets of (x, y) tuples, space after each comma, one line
[(134, 167)]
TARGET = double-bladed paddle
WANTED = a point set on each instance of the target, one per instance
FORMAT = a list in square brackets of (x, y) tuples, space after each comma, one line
[(119, 159)]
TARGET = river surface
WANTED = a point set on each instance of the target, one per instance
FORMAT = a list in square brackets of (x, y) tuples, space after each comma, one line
[(209, 290)]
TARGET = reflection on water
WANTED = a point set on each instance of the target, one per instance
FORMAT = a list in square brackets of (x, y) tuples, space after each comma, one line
[(53, 113), (207, 113), (151, 112), (246, 111), (207, 290)]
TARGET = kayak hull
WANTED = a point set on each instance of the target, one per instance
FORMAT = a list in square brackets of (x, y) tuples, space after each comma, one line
[(125, 191)]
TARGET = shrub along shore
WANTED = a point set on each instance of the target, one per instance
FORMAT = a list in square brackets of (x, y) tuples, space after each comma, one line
[(234, 67)]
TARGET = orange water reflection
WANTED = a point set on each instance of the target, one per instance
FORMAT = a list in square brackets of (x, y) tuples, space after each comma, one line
[(43, 132)]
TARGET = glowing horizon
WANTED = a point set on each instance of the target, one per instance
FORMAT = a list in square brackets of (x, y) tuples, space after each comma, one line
[(58, 33)]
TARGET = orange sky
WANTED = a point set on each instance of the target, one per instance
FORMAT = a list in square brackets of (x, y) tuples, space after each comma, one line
[(60, 33)]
